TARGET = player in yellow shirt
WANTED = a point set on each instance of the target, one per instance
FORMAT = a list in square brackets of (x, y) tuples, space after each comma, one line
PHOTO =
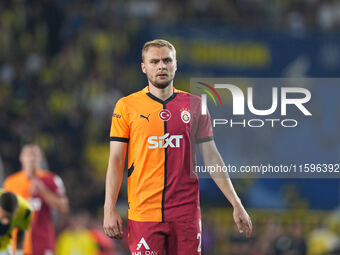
[(15, 212)]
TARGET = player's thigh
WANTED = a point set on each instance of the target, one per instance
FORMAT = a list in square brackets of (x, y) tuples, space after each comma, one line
[(185, 238), (147, 238)]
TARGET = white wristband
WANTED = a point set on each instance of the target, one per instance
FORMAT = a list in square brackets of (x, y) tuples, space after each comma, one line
[(19, 252)]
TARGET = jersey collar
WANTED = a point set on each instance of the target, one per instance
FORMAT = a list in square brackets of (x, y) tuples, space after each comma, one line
[(164, 102)]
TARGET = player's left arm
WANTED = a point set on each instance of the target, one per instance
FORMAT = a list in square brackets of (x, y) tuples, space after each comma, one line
[(57, 201), (212, 157), (20, 240), (22, 221)]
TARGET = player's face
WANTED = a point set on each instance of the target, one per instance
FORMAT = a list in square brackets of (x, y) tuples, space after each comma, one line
[(5, 217), (30, 159), (160, 66)]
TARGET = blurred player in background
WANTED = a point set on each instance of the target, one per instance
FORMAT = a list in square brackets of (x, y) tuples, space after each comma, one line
[(15, 212), (161, 126), (82, 236), (45, 191)]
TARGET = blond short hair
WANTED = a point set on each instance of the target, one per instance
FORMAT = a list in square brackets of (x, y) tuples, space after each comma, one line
[(158, 43)]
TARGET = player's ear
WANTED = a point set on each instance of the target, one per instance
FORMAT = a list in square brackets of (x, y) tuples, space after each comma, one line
[(21, 157), (142, 65)]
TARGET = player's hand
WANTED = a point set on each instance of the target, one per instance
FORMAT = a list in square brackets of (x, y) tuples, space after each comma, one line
[(19, 252), (37, 186), (242, 220), (113, 223)]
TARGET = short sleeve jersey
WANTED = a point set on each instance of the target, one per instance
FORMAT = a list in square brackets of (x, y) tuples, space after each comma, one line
[(161, 137), (21, 220)]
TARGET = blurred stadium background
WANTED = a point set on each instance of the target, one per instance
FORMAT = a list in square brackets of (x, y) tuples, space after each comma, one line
[(65, 63)]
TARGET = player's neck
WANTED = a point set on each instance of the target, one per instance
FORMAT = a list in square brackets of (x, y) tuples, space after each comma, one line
[(162, 94), (30, 173)]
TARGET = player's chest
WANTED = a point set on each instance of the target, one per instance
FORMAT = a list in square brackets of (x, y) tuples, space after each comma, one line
[(159, 120)]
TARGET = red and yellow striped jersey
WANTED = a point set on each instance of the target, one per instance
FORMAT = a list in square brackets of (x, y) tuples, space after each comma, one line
[(40, 238), (161, 137)]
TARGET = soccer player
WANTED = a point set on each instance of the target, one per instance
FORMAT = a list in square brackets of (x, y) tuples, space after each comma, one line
[(15, 212), (160, 126), (45, 191)]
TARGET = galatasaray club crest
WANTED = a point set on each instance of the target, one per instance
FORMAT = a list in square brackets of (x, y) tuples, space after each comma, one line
[(185, 115)]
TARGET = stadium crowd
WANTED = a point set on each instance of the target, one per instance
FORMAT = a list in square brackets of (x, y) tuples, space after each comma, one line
[(64, 64)]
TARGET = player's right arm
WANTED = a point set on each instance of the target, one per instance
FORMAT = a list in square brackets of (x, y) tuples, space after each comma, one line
[(113, 224)]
